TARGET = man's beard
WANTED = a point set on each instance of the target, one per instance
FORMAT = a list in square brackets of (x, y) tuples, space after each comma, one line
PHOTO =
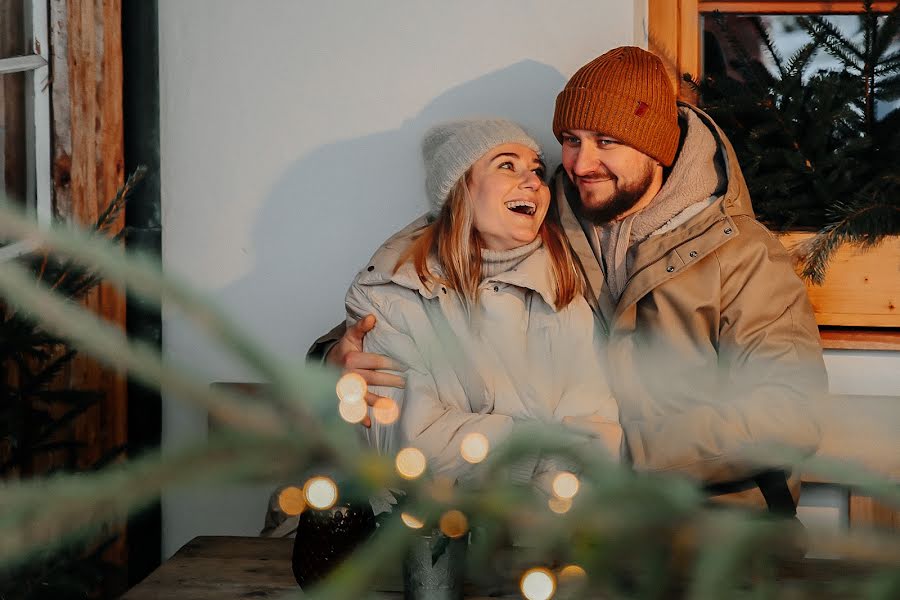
[(622, 200)]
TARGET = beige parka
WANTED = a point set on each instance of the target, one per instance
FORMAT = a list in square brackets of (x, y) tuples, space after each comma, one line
[(713, 347)]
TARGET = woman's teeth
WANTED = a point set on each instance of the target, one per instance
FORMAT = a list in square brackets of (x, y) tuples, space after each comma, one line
[(523, 207)]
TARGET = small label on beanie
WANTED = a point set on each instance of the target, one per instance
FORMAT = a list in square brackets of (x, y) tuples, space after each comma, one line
[(641, 109)]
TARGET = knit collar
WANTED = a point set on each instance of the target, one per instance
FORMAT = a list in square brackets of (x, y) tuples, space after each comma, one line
[(495, 262), (532, 272)]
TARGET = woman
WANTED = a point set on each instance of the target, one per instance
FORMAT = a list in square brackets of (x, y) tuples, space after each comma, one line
[(482, 301)]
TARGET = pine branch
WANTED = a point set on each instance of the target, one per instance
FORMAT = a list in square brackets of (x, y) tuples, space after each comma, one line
[(864, 226), (886, 34), (108, 217), (800, 60), (763, 33), (831, 38)]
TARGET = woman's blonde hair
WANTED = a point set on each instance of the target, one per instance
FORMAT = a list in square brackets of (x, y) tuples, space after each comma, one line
[(453, 239)]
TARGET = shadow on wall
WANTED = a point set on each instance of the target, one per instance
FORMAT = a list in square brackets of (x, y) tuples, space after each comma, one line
[(333, 207)]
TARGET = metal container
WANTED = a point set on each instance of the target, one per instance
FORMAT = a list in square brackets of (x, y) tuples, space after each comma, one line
[(442, 580)]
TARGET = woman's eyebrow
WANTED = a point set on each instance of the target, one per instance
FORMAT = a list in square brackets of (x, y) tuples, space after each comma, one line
[(509, 154)]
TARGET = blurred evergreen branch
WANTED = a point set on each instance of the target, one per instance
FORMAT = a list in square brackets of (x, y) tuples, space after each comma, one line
[(635, 535), (812, 147)]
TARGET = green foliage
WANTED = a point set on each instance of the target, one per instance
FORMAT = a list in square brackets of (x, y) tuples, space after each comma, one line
[(36, 412), (813, 150), (635, 535)]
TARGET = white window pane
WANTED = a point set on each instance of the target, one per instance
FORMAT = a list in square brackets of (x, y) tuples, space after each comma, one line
[(12, 28)]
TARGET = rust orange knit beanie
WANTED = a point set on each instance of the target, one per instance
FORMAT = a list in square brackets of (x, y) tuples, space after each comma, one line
[(625, 94)]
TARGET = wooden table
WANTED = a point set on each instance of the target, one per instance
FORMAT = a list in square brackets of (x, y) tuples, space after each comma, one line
[(221, 567)]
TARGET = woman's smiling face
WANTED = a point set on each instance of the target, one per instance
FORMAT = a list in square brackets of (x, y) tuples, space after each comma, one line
[(509, 196)]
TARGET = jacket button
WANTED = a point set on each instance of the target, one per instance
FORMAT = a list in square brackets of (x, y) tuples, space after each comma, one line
[(728, 231), (670, 268), (371, 268), (496, 288), (693, 254)]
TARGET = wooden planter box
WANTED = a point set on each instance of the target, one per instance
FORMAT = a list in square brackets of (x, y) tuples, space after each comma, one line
[(862, 287)]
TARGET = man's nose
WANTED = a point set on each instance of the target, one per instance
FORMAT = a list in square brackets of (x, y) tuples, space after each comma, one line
[(586, 160)]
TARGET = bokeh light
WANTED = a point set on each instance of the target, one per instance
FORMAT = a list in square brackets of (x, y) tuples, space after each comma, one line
[(351, 388), (410, 463), (321, 492), (353, 412), (385, 411), (571, 573), (291, 501), (411, 522), (454, 524), (559, 505), (538, 584), (474, 447), (565, 485)]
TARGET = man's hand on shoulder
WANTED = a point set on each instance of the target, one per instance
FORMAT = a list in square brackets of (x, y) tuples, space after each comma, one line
[(348, 356)]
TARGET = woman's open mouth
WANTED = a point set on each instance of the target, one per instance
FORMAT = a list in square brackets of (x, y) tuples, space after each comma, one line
[(522, 207)]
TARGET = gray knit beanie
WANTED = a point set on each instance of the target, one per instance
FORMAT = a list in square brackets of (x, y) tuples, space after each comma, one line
[(449, 149)]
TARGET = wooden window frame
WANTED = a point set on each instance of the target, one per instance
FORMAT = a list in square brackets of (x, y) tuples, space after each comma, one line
[(674, 35), (35, 65)]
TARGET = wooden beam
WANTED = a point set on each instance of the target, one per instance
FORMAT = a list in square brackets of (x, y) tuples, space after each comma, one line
[(798, 7), (674, 36), (88, 168)]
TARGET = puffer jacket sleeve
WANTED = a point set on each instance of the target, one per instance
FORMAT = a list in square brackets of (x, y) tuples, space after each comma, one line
[(428, 421), (771, 371)]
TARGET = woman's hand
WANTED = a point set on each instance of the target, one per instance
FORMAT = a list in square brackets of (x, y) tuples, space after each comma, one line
[(348, 356)]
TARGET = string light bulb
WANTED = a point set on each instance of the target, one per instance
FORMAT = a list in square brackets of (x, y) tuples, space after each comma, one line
[(559, 505), (565, 485), (385, 411), (410, 463), (538, 584), (571, 573), (453, 524), (353, 412), (352, 388), (474, 447), (411, 522), (321, 492), (291, 501)]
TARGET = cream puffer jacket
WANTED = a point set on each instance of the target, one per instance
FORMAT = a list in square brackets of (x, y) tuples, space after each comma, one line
[(521, 358)]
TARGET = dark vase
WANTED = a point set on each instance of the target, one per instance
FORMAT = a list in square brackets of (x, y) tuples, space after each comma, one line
[(326, 537)]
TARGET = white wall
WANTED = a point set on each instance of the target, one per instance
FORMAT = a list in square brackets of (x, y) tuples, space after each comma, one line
[(290, 133)]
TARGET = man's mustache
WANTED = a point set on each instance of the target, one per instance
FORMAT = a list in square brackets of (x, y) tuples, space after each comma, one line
[(598, 174)]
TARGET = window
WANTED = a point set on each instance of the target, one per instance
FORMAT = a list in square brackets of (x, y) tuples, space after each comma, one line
[(24, 111), (676, 27), (683, 34)]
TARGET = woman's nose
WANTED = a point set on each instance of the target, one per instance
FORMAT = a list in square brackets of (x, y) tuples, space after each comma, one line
[(532, 181)]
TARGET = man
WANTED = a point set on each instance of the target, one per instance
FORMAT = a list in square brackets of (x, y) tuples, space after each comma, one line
[(712, 343)]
